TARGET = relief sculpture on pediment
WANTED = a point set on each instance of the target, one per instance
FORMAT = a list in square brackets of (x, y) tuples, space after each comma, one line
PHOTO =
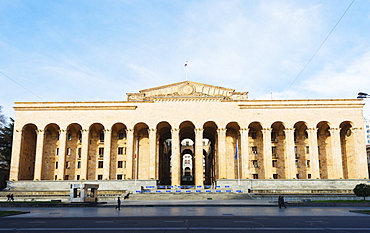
[(187, 90)]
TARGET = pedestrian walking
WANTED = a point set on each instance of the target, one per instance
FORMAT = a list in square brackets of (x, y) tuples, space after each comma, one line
[(118, 203), (281, 202), (12, 197), (8, 196)]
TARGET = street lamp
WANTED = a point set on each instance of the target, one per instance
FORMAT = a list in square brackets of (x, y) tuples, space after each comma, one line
[(362, 95)]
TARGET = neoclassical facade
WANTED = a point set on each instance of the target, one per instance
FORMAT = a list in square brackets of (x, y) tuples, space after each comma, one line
[(189, 133)]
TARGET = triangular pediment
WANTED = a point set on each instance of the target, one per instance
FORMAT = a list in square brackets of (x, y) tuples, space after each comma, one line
[(185, 90)]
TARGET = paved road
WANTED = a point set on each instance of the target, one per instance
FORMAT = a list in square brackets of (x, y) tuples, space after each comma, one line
[(189, 224), (182, 211), (142, 217)]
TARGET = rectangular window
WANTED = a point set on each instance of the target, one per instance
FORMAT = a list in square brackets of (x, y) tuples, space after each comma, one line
[(57, 151), (296, 163), (274, 152), (56, 165), (297, 176), (79, 152), (100, 177), (101, 137), (275, 176), (66, 177), (307, 163), (121, 136), (101, 152), (120, 150), (307, 149), (69, 151), (274, 163), (254, 150), (79, 164), (254, 135), (100, 164), (255, 176), (55, 177), (308, 176), (254, 163), (120, 164), (119, 177), (78, 177), (69, 137), (68, 164), (124, 164)]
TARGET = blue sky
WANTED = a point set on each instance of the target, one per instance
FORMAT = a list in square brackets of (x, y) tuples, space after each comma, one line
[(87, 50)]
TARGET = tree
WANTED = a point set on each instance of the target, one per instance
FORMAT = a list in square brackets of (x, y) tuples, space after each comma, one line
[(362, 190), (6, 139)]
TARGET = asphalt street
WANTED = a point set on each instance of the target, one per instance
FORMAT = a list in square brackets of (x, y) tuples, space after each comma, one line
[(174, 218)]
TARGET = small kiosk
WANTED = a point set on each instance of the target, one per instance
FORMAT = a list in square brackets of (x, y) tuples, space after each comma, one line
[(84, 192)]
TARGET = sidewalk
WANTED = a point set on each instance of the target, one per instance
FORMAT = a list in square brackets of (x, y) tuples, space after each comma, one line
[(183, 208)]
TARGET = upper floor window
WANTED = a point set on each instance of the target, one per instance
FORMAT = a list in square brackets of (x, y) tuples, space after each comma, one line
[(254, 135), (121, 136)]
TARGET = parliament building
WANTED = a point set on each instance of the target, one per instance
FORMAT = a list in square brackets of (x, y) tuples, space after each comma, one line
[(188, 133)]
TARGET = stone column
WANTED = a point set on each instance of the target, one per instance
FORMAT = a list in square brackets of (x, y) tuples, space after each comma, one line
[(290, 167), (267, 152), (314, 153), (84, 153), (107, 149), (360, 154), (16, 154), (336, 153), (152, 153), (175, 158), (221, 140), (198, 157), (62, 154), (129, 152), (244, 153), (39, 154)]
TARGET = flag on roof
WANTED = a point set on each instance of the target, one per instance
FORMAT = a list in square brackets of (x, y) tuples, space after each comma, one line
[(186, 63)]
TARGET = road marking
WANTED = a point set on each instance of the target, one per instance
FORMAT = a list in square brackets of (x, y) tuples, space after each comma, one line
[(184, 228)]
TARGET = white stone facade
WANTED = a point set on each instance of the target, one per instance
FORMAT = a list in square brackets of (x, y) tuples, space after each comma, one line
[(232, 138)]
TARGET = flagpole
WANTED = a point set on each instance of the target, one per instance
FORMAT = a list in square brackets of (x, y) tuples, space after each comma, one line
[(186, 70), (237, 152), (136, 159)]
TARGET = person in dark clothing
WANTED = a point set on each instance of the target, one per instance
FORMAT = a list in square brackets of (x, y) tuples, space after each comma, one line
[(281, 202), (118, 203)]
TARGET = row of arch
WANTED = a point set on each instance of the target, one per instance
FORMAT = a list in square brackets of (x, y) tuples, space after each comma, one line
[(147, 152)]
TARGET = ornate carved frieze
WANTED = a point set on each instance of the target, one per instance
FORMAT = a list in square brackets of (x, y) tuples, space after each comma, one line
[(187, 91)]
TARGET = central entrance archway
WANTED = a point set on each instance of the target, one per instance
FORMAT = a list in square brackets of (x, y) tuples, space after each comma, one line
[(187, 139)]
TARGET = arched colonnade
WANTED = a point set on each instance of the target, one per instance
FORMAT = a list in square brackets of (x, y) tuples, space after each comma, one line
[(186, 154)]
